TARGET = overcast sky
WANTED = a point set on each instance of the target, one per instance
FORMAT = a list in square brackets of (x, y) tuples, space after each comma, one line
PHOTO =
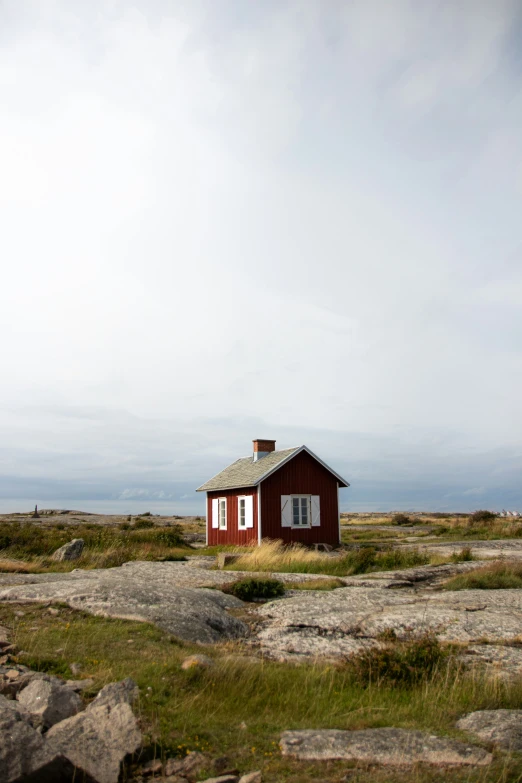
[(222, 220)]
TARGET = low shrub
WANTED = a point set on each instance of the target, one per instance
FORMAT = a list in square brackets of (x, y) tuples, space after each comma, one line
[(399, 663), (361, 560), (480, 517), (250, 589), (401, 519), (497, 576), (143, 524), (5, 540)]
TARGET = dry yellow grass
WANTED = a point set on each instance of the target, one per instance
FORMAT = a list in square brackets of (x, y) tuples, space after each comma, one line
[(18, 567), (275, 556)]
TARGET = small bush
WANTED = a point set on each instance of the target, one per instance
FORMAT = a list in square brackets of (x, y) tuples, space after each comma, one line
[(402, 663), (401, 519), (465, 555), (388, 635), (167, 537), (143, 524), (5, 540), (480, 517), (124, 526), (362, 560), (250, 589)]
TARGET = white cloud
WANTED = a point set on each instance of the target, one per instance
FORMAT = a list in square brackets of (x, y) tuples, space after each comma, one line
[(307, 216)]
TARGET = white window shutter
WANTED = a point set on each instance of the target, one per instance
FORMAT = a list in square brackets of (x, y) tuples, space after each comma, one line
[(249, 511), (215, 513), (286, 511), (316, 511)]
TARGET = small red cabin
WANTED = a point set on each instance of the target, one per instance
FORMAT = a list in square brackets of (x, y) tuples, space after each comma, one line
[(289, 494)]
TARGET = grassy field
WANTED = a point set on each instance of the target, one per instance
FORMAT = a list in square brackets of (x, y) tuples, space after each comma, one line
[(105, 547), (446, 526), (239, 707)]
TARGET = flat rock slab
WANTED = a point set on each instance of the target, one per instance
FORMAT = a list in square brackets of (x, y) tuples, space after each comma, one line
[(387, 746), (341, 621), (499, 659), (147, 592), (501, 727), (510, 548), (179, 573), (416, 576)]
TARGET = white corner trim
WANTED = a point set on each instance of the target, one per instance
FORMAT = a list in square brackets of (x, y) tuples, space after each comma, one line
[(339, 512), (259, 513)]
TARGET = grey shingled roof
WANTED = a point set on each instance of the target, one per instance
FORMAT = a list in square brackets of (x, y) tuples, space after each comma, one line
[(245, 472)]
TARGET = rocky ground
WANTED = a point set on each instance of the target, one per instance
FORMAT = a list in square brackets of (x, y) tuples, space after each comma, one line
[(185, 599)]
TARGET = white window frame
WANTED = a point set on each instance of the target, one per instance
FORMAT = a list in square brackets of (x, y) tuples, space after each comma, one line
[(222, 504), (242, 499), (308, 524)]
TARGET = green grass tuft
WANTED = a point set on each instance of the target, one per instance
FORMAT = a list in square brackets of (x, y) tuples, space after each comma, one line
[(497, 576), (399, 663), (251, 589)]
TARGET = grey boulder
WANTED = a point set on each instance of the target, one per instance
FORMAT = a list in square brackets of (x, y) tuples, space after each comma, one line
[(19, 742), (88, 746), (387, 746), (501, 727), (80, 685), (94, 741), (70, 551), (50, 700), (122, 692)]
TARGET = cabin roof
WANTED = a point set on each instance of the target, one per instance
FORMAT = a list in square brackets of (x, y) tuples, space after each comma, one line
[(247, 472)]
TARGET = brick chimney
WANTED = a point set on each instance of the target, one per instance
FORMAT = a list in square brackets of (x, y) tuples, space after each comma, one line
[(262, 448)]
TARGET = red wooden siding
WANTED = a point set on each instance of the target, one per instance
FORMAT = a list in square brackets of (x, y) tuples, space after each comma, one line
[(302, 475), (232, 535)]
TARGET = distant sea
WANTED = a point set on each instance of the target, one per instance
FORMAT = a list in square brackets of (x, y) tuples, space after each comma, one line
[(132, 506)]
